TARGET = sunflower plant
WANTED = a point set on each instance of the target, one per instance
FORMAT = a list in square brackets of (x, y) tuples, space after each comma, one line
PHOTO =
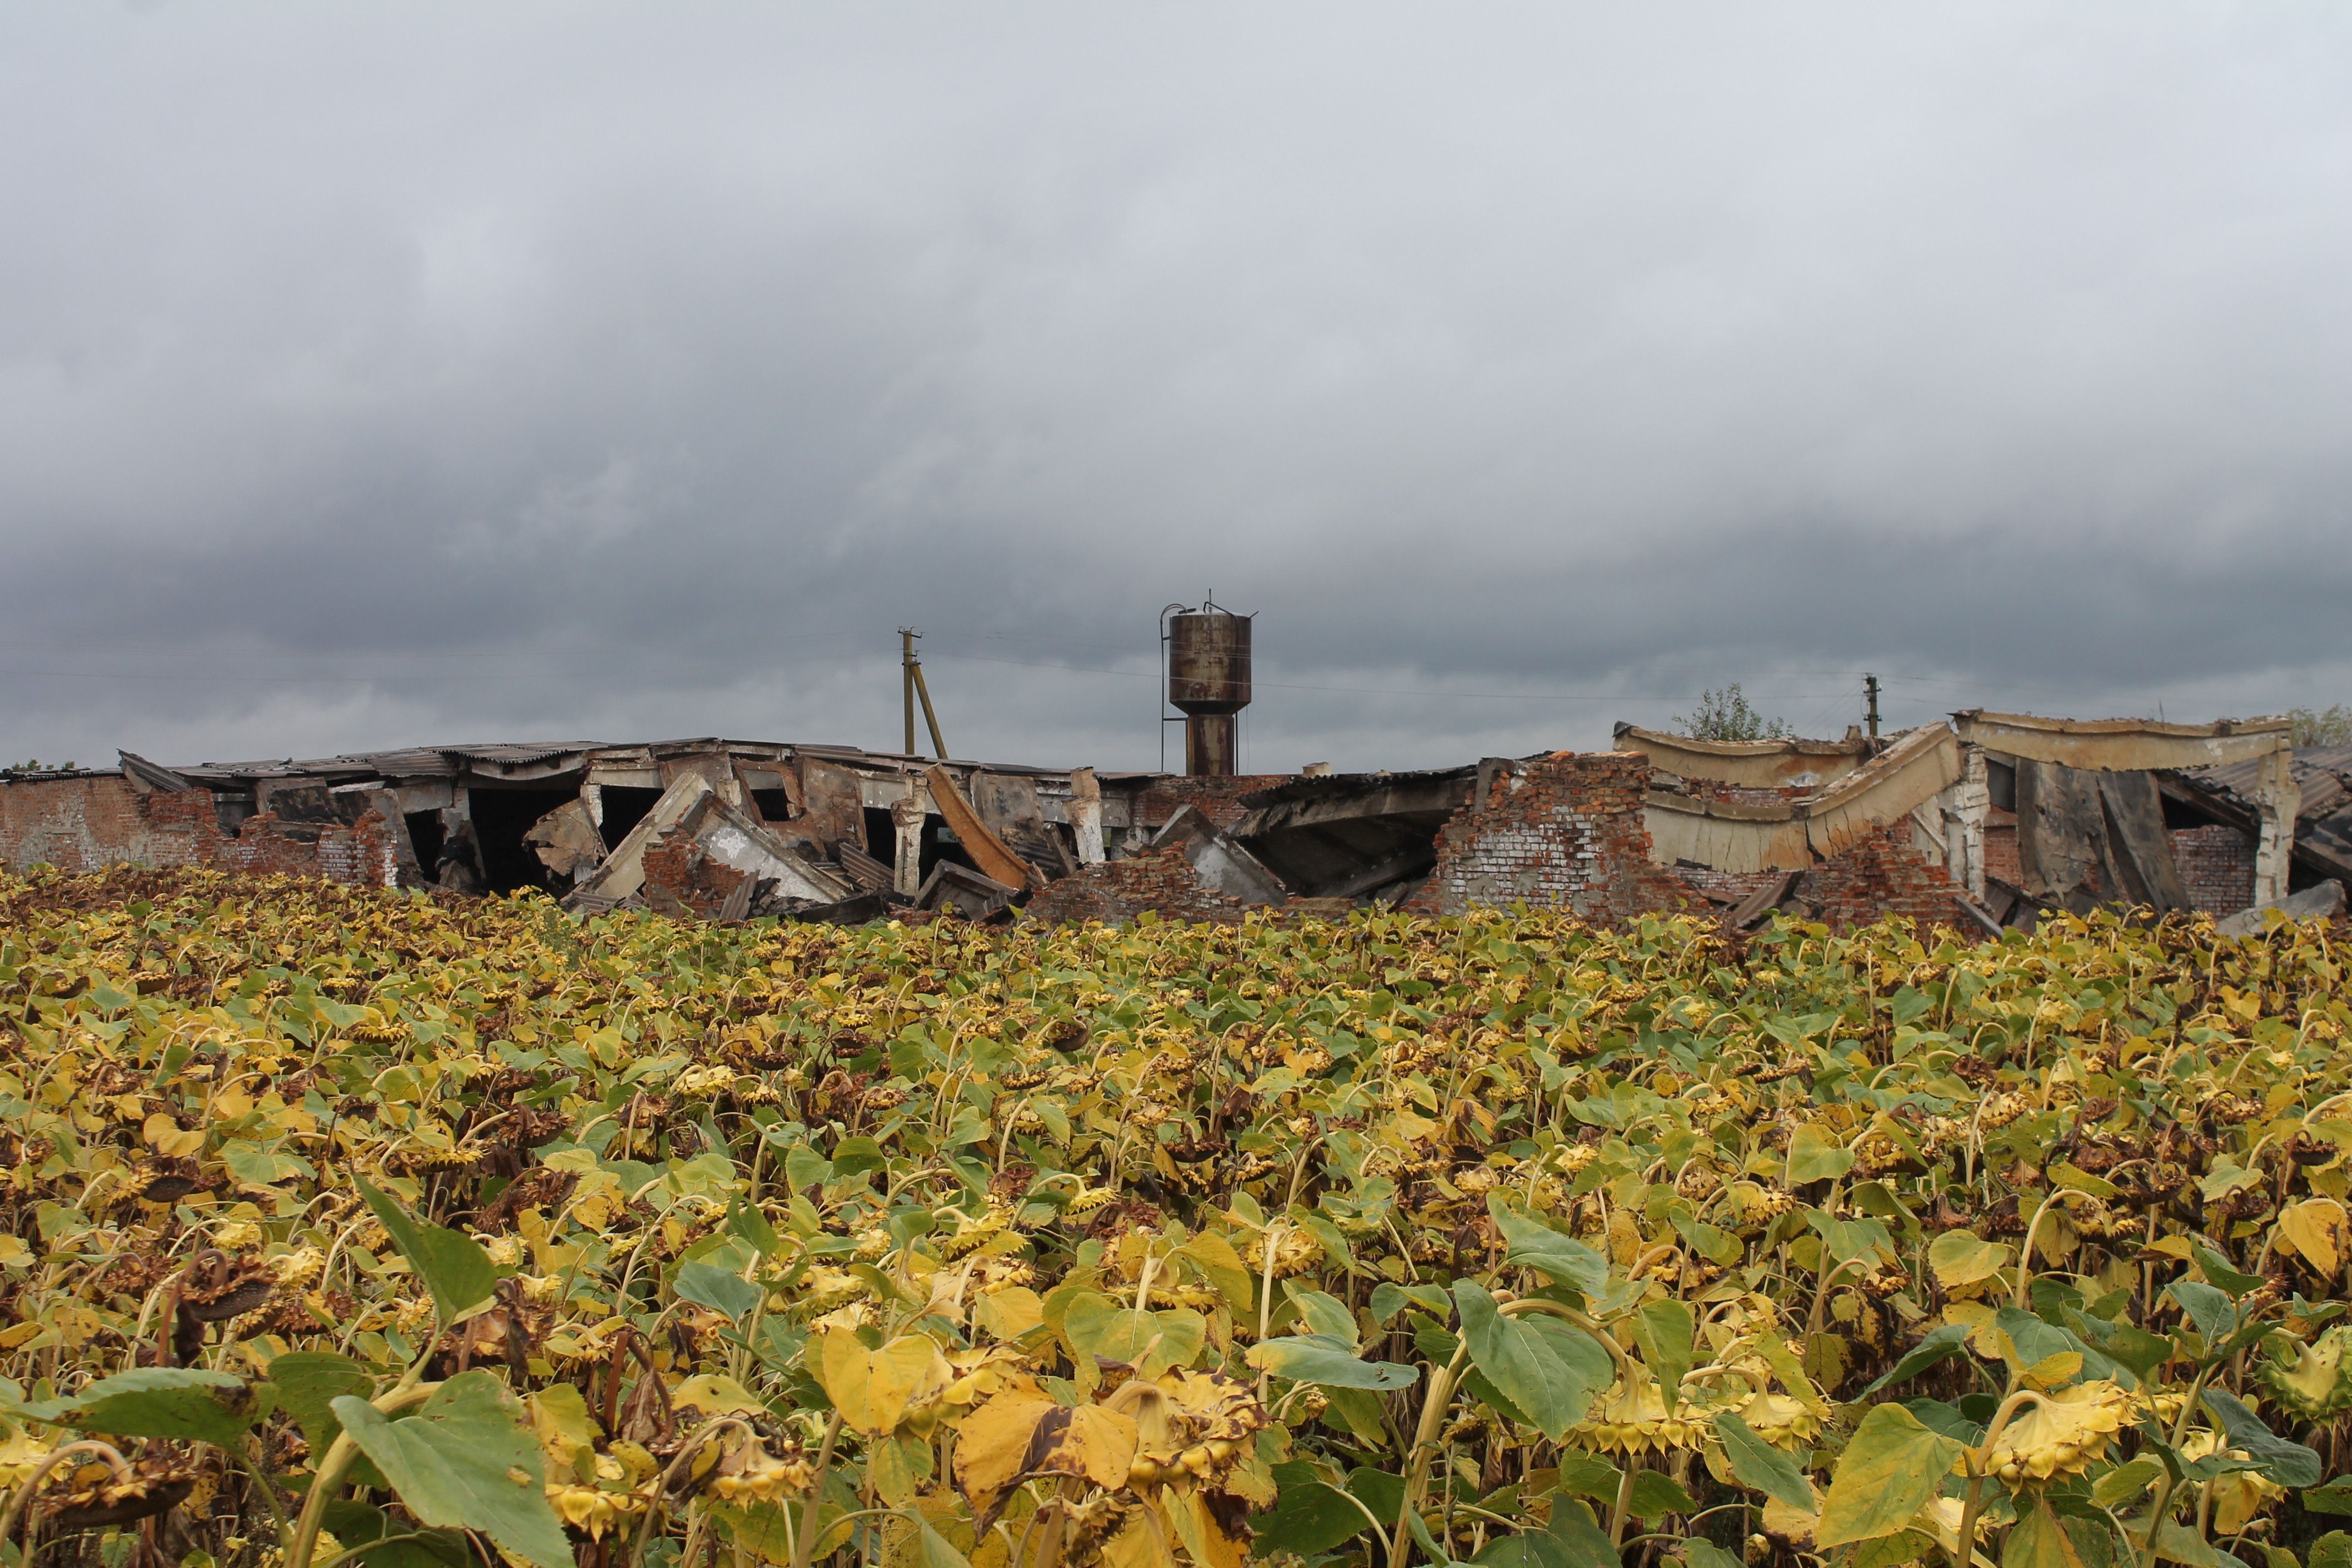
[(348, 1224)]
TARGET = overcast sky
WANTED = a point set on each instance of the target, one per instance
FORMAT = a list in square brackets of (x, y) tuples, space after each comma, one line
[(392, 374)]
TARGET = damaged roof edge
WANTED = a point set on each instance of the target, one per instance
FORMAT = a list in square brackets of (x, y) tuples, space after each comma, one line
[(1756, 765), (2122, 745)]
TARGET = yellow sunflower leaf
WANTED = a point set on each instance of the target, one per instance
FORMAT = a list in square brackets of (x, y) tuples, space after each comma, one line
[(872, 1388), (1089, 1441), (715, 1393), (2314, 1230), (1010, 1312), (560, 1419), (991, 1448), (1961, 1259)]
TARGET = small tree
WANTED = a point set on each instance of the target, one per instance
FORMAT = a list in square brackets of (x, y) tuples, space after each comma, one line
[(2329, 726), (1726, 715)]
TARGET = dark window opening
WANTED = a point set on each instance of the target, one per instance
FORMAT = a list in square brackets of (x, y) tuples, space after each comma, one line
[(501, 817), (2001, 785), (775, 805), (625, 807), (230, 811), (939, 844), (425, 836), (2180, 814), (881, 835)]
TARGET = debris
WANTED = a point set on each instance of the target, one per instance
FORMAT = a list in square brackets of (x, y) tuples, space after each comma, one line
[(1752, 908), (622, 874), (1983, 917), (2085, 839), (962, 890), (567, 842), (730, 836), (2228, 794), (1219, 860), (1008, 805), (152, 775), (852, 912), (861, 868)]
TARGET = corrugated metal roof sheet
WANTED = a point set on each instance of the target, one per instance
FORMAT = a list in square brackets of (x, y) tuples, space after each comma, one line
[(2324, 772)]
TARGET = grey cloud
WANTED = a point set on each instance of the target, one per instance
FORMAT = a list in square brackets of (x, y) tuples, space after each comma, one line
[(599, 371)]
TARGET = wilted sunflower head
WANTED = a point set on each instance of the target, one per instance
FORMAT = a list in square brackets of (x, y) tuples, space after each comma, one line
[(1631, 1418), (2059, 1434)]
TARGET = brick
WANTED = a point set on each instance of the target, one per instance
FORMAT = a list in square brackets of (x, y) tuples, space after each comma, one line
[(2217, 867), (88, 824)]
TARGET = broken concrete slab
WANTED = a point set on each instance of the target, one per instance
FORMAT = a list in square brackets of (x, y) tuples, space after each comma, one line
[(731, 836), (2323, 902), (622, 874), (1008, 804)]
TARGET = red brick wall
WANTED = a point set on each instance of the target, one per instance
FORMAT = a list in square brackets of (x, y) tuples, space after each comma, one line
[(2000, 847), (1119, 891), (1218, 799), (680, 881), (2217, 867), (1884, 874), (1562, 830), (87, 825)]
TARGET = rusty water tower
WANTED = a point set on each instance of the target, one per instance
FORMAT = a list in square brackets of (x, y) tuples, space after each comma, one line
[(1207, 652)]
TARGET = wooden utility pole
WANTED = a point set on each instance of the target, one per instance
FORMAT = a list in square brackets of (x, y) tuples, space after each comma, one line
[(914, 687), (907, 682), (1869, 687)]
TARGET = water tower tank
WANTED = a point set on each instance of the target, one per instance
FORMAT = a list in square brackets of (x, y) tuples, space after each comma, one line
[(1209, 681)]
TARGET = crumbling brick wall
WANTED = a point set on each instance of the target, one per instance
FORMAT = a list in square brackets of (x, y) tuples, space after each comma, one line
[(89, 823), (1118, 890), (2217, 867), (2001, 857), (1882, 874), (1568, 830), (1565, 830)]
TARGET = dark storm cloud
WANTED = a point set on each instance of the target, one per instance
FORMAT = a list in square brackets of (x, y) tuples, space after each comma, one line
[(392, 374)]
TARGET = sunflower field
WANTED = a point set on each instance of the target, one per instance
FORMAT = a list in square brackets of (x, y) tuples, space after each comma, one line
[(356, 1227)]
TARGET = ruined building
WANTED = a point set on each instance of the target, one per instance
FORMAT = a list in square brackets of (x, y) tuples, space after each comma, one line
[(1986, 821)]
